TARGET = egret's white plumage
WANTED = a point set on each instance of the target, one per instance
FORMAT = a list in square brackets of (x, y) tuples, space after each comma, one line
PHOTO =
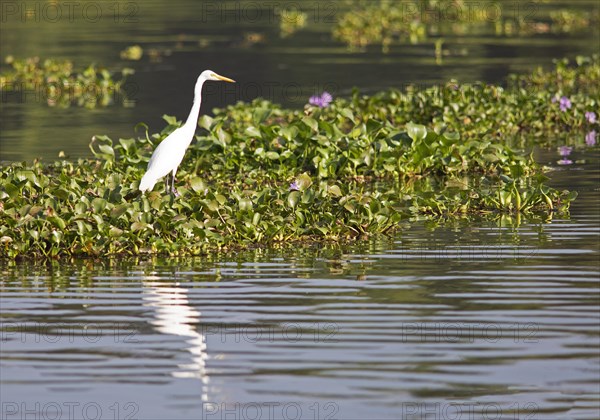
[(169, 153)]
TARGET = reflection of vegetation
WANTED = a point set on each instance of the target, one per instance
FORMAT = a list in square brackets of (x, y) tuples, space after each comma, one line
[(385, 22), (565, 20), (378, 23), (260, 173), (134, 52), (290, 21), (60, 84)]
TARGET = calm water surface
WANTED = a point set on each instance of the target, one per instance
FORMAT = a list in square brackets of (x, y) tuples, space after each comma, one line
[(468, 320)]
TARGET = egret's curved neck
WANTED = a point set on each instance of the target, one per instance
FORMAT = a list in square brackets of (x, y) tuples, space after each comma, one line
[(192, 119)]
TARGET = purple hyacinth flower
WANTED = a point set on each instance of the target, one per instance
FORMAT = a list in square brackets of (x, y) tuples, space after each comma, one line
[(565, 151), (322, 100), (590, 138), (565, 103), (294, 186), (315, 100), (326, 98), (591, 117)]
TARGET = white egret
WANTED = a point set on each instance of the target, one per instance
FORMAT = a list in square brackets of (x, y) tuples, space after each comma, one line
[(169, 153)]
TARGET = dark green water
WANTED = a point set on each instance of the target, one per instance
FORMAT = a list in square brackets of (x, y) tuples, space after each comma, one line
[(190, 36), (464, 321)]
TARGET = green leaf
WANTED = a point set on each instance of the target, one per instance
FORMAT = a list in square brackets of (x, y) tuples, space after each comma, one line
[(171, 120), (115, 232), (289, 132), (35, 210), (252, 131), (99, 204), (26, 174), (56, 236), (452, 136), (128, 144), (245, 204), (57, 222), (198, 184), (82, 227), (303, 181), (334, 190), (136, 226), (205, 122), (260, 114), (351, 207), (293, 198), (119, 210), (356, 132), (12, 190), (346, 112), (311, 122), (212, 205), (308, 196), (106, 149), (416, 131)]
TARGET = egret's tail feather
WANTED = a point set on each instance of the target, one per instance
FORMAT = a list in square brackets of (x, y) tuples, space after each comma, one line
[(147, 182)]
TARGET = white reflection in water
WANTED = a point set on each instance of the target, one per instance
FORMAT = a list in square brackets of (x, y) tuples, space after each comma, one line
[(175, 316)]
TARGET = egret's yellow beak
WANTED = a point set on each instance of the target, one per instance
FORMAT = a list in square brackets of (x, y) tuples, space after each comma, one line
[(223, 78)]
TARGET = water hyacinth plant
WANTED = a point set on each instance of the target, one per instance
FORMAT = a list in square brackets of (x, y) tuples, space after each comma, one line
[(61, 84), (520, 114), (261, 174), (386, 23)]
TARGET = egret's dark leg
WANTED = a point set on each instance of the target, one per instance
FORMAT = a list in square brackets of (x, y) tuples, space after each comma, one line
[(173, 190), (167, 183)]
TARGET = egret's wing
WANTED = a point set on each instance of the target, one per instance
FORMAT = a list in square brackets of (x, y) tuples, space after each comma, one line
[(162, 162), (166, 157)]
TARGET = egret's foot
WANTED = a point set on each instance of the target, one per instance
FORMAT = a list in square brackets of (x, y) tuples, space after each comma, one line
[(175, 192)]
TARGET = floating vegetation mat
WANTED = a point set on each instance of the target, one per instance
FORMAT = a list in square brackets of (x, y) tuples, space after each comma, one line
[(387, 23), (60, 84), (338, 170)]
